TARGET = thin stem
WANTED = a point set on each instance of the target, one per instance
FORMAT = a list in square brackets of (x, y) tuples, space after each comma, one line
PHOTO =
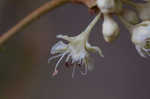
[(49, 6), (91, 25)]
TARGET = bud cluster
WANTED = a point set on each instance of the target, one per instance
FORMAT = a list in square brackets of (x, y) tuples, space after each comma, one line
[(136, 18)]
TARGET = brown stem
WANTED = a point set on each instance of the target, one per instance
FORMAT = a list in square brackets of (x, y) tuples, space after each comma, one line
[(49, 6)]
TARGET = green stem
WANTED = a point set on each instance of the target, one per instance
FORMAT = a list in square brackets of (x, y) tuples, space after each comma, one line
[(89, 28)]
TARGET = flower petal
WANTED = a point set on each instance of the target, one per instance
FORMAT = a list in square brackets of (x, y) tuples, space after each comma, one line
[(73, 71), (94, 49), (59, 47), (140, 51), (65, 37)]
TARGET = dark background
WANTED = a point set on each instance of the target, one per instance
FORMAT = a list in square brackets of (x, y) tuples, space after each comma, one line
[(25, 73)]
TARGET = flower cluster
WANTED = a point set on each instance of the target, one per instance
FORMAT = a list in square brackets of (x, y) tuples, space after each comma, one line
[(136, 20)]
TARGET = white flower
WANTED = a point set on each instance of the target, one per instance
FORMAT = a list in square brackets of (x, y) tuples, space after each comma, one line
[(77, 50), (110, 29), (130, 16), (109, 6), (141, 38)]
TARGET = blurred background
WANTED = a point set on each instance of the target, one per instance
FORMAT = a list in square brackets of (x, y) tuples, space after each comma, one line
[(25, 73)]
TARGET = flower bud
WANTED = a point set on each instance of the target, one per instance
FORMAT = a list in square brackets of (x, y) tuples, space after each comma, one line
[(110, 29)]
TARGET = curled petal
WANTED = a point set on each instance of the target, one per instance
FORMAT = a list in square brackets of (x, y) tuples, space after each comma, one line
[(65, 37), (68, 57), (95, 49), (59, 47), (141, 52), (85, 68)]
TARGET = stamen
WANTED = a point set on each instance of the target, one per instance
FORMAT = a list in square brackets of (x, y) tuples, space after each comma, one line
[(68, 57), (73, 61), (56, 71), (65, 37), (85, 69), (53, 57), (73, 71), (79, 63)]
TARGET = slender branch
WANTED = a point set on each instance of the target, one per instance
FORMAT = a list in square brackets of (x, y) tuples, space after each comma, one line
[(49, 6)]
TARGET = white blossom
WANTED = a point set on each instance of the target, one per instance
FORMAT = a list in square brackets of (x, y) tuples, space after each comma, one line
[(77, 50)]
